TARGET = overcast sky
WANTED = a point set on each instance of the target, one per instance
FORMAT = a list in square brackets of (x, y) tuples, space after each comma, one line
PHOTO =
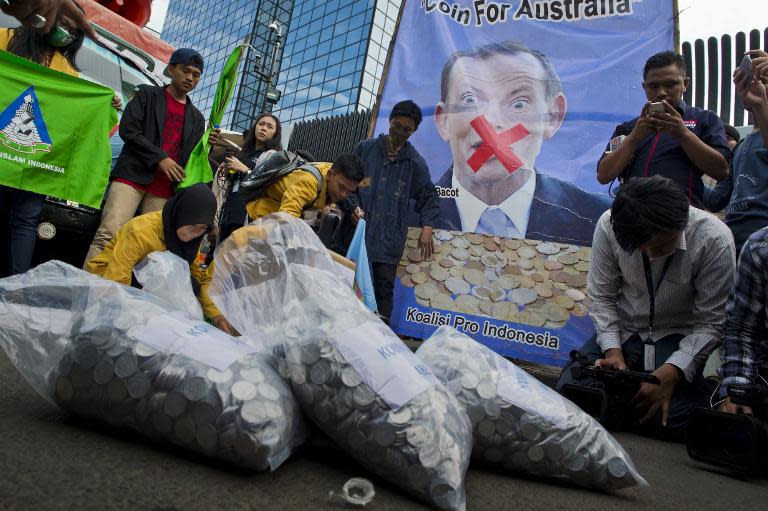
[(698, 18)]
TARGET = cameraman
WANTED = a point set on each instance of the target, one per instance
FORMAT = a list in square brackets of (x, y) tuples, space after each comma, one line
[(659, 279), (745, 345)]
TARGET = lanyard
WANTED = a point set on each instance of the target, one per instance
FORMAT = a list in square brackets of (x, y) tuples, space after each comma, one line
[(650, 348)]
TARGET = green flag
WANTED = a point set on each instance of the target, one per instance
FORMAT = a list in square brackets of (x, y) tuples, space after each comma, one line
[(54, 132), (198, 170)]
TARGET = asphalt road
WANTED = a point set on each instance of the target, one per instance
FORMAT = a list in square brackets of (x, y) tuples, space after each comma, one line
[(49, 460)]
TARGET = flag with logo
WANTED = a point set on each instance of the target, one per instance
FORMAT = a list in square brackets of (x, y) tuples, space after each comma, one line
[(363, 286), (54, 132), (198, 170)]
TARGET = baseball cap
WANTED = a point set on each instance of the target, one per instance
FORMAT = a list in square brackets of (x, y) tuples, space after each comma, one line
[(187, 57)]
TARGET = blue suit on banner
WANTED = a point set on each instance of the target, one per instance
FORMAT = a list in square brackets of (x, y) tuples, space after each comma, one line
[(560, 211), (358, 254)]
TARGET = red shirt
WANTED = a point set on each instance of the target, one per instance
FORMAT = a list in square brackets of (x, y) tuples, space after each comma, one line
[(171, 145)]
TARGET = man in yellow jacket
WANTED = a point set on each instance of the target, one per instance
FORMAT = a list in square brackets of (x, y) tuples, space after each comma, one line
[(300, 190), (179, 228)]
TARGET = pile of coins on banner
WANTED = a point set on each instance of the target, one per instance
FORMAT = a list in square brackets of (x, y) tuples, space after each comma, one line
[(423, 446), (529, 282), (245, 414), (548, 436)]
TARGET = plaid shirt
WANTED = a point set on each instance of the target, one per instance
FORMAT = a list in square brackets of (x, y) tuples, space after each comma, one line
[(745, 346)]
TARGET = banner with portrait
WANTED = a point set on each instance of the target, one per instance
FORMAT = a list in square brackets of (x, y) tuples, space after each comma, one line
[(519, 99)]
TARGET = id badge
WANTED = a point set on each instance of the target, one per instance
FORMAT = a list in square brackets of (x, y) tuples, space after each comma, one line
[(649, 355)]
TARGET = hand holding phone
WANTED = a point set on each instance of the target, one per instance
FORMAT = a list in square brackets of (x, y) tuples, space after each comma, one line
[(746, 66), (656, 108)]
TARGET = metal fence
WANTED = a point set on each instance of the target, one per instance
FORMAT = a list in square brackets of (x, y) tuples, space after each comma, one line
[(711, 64), (329, 137)]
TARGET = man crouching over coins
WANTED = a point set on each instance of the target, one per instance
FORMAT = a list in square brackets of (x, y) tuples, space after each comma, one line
[(659, 279)]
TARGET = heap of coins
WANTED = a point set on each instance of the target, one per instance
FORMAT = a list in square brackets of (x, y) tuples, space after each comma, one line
[(244, 414), (529, 282), (514, 436), (423, 446)]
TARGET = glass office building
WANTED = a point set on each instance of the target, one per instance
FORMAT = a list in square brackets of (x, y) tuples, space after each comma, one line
[(334, 57), (331, 63), (214, 29)]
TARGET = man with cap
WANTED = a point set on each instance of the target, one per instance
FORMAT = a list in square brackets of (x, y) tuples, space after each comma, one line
[(395, 174), (160, 127)]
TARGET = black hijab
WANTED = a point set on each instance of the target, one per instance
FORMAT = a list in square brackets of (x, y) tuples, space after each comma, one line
[(190, 206)]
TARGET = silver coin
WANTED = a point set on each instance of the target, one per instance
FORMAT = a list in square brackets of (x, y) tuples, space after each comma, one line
[(244, 390), (364, 396), (418, 436), (216, 376), (320, 372), (269, 392), (523, 296), (429, 456), (443, 235), (138, 385), (486, 428), (207, 437), (350, 377), (117, 390), (492, 409), (86, 356), (547, 248), (126, 364), (529, 429), (460, 243), (576, 462), (104, 370), (535, 453), (252, 374), (384, 434), (144, 351), (174, 404), (617, 468), (458, 286), (195, 388), (253, 412), (310, 353), (401, 417), (486, 390), (469, 381)]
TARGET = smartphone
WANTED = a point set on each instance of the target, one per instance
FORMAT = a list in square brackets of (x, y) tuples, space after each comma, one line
[(656, 108), (746, 65)]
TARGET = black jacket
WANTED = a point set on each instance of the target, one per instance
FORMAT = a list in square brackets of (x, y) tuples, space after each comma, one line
[(141, 128)]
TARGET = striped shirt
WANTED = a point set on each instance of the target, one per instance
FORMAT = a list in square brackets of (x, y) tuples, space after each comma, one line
[(745, 346), (690, 301)]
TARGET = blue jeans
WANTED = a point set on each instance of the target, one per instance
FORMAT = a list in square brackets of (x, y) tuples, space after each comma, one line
[(23, 209), (686, 397)]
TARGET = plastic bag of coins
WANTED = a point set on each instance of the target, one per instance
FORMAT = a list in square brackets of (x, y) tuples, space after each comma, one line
[(166, 275), (353, 376), (521, 425), (121, 357)]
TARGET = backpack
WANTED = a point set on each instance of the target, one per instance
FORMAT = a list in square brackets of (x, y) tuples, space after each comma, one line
[(275, 166)]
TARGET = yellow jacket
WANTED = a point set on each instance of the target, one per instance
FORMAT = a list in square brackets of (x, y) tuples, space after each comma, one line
[(291, 194), (139, 237), (58, 62)]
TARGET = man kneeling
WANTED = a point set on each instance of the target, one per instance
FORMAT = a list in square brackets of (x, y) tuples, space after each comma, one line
[(659, 279)]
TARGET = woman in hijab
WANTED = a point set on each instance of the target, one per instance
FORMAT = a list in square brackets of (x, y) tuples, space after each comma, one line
[(179, 228)]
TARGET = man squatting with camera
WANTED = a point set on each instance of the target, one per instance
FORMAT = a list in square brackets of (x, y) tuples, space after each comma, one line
[(659, 279)]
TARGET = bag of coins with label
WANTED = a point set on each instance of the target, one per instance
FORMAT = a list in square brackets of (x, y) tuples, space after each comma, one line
[(353, 377), (520, 424), (120, 356)]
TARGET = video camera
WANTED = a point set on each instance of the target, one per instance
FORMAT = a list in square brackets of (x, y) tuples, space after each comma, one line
[(734, 441), (606, 399)]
